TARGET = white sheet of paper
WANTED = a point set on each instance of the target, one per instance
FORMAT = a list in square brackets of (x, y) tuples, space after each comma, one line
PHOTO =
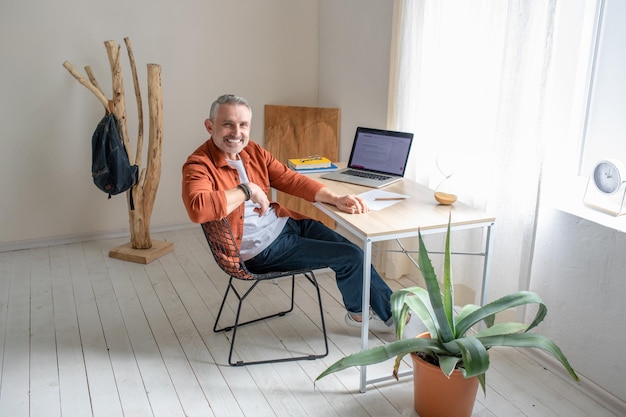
[(371, 196)]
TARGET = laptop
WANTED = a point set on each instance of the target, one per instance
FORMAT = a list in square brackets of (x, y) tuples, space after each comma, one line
[(378, 158)]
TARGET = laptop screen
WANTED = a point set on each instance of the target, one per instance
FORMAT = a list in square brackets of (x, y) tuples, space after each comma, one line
[(382, 151)]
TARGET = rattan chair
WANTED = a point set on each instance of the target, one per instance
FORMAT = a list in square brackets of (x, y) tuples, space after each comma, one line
[(226, 253)]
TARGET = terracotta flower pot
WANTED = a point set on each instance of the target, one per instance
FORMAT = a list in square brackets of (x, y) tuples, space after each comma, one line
[(435, 395)]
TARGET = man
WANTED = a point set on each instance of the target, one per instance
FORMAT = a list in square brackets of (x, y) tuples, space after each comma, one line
[(230, 176)]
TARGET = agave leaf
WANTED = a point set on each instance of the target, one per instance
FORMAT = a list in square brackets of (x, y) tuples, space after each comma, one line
[(502, 328), (452, 349), (415, 299), (396, 366), (508, 301), (465, 311), (448, 364), (448, 287), (541, 314), (384, 352), (530, 340), (400, 317), (474, 355), (483, 382), (490, 320), (434, 292)]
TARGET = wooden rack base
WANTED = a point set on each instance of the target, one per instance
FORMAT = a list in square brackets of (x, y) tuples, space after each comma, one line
[(142, 256)]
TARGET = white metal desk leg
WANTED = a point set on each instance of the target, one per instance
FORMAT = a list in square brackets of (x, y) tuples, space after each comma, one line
[(365, 305), (487, 262)]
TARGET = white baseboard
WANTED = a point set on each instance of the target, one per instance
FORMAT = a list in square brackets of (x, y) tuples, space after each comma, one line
[(586, 386), (85, 237)]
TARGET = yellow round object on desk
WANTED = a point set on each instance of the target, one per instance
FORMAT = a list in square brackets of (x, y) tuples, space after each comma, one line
[(445, 198)]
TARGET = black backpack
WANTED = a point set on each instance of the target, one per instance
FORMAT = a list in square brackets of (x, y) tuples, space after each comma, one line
[(110, 168)]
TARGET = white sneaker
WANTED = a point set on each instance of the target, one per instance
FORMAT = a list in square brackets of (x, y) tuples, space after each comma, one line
[(376, 324)]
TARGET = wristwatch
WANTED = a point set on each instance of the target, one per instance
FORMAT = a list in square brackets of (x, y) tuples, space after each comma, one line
[(246, 190)]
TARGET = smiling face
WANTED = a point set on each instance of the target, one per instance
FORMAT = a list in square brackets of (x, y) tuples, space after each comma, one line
[(231, 128)]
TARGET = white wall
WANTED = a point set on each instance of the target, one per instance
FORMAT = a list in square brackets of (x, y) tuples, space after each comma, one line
[(579, 273), (355, 41), (267, 51)]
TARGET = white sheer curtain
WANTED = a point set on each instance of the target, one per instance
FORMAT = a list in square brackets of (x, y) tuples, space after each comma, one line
[(469, 79)]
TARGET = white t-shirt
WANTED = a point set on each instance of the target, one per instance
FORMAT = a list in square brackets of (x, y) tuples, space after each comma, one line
[(258, 231)]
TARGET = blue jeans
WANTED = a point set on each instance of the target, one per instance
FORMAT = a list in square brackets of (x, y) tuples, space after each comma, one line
[(310, 244)]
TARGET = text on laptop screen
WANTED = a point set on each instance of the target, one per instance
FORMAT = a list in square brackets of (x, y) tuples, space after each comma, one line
[(380, 152)]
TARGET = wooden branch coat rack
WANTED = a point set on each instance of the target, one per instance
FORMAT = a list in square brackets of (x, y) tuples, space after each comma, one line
[(141, 248)]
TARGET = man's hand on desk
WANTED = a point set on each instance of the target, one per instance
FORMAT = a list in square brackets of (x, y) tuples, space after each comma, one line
[(348, 203), (352, 204)]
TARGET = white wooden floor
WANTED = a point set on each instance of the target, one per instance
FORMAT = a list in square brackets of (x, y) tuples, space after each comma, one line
[(82, 334)]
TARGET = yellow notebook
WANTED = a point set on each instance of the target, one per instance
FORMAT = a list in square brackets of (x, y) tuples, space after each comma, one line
[(310, 162)]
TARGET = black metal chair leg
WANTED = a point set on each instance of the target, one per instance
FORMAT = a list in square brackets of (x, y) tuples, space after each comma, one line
[(219, 313), (241, 298), (313, 281)]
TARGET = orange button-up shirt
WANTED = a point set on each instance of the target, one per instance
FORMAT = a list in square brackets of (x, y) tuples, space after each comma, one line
[(207, 174)]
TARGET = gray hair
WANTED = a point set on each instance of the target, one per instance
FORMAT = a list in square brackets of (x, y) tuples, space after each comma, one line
[(227, 99)]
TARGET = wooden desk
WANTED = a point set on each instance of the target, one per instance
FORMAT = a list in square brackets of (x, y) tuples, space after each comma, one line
[(404, 219)]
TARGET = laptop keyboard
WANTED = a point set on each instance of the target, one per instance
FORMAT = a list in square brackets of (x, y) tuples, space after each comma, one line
[(366, 175)]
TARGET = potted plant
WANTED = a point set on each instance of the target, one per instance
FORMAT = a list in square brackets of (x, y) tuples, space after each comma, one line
[(453, 346)]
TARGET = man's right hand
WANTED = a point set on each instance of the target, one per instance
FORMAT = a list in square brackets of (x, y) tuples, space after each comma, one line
[(259, 198)]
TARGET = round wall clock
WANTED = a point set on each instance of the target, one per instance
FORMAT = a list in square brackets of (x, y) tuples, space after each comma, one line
[(606, 188), (606, 177)]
